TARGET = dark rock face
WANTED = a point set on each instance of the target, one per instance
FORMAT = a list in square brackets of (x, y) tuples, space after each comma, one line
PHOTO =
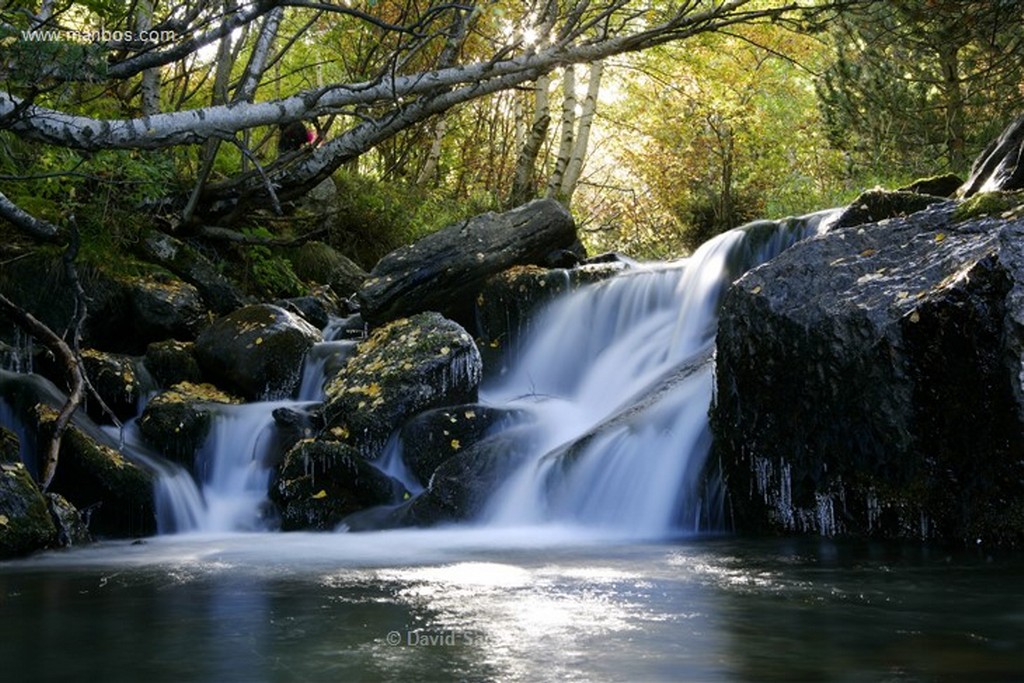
[(119, 380), (116, 493), (176, 422), (434, 436), (869, 383), (171, 362), (25, 523), (1000, 166), (460, 487), (71, 528), (444, 271), (256, 351), (403, 368), (322, 482), (217, 291), (164, 308)]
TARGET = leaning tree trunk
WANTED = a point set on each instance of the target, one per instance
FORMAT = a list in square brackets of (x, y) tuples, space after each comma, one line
[(568, 126), (524, 181), (579, 150)]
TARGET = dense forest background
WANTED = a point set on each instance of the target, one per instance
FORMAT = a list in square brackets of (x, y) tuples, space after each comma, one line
[(702, 116)]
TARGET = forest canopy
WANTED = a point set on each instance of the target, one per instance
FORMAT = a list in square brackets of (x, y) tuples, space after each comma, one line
[(659, 122)]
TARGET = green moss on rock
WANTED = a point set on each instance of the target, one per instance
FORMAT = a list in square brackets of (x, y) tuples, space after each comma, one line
[(1006, 205), (25, 523), (404, 367)]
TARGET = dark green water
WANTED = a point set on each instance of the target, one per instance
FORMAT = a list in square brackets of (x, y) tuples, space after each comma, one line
[(509, 605)]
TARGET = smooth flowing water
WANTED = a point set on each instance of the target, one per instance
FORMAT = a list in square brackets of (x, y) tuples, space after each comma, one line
[(519, 606), (559, 580)]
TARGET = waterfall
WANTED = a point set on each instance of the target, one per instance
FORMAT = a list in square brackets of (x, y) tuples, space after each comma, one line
[(616, 379)]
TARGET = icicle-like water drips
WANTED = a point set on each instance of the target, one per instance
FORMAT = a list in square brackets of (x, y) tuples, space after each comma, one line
[(618, 379)]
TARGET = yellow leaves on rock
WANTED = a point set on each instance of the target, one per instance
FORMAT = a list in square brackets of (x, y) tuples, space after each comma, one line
[(4, 520), (456, 445), (319, 495), (939, 237)]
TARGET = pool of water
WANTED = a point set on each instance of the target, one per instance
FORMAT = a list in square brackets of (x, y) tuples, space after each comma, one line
[(509, 605)]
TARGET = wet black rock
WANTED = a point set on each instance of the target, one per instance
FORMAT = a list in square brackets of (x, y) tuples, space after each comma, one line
[(25, 523), (868, 383), (256, 351), (322, 482)]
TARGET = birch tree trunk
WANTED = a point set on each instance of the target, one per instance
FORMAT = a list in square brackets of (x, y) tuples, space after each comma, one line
[(524, 180), (582, 142), (568, 130), (429, 169), (150, 85)]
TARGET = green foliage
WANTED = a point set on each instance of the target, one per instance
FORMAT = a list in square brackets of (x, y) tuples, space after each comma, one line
[(265, 273), (372, 218), (919, 86)]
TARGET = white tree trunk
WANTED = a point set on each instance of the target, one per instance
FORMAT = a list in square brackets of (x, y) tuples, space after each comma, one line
[(525, 177), (579, 150), (567, 131), (150, 86), (434, 156)]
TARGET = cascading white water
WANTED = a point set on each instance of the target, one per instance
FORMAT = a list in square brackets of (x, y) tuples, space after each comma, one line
[(234, 466), (617, 379)]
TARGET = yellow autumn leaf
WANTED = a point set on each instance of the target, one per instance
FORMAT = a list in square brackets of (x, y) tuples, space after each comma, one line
[(455, 444), (320, 494), (259, 340), (940, 236)]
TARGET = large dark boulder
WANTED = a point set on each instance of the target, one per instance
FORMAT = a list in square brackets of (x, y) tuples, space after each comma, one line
[(170, 362), (322, 482), (401, 369), (444, 271), (125, 313), (460, 487), (115, 493), (1000, 166), (164, 307), (25, 522), (869, 383), (256, 351)]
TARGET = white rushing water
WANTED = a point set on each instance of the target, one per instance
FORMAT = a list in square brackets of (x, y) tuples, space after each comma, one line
[(611, 385), (617, 379)]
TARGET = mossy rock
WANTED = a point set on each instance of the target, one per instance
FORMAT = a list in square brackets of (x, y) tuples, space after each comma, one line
[(944, 185), (94, 477), (25, 523), (323, 264), (256, 351), (1007, 205), (165, 307), (877, 205), (322, 482), (401, 369), (176, 422), (171, 362)]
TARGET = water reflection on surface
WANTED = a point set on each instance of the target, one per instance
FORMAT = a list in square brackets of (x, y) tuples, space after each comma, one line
[(460, 605)]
